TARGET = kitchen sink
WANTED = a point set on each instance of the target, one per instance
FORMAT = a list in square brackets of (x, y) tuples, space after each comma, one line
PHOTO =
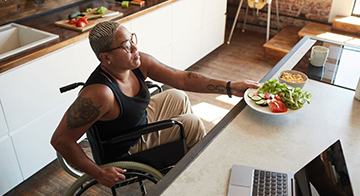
[(16, 38)]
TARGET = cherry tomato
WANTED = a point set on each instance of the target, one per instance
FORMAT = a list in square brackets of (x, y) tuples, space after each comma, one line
[(72, 21), (278, 97), (80, 24), (267, 96), (277, 106)]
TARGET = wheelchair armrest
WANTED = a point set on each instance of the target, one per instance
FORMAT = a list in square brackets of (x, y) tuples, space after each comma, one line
[(150, 84), (148, 128)]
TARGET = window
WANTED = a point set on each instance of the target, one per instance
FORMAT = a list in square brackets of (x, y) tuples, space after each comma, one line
[(356, 9)]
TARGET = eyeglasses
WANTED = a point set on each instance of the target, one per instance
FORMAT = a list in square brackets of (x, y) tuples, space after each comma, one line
[(128, 44)]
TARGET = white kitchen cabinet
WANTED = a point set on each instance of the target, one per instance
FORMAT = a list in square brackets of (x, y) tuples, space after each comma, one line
[(187, 50), (187, 18), (153, 30), (3, 126), (10, 173), (85, 59), (213, 35), (213, 9), (33, 89), (32, 142)]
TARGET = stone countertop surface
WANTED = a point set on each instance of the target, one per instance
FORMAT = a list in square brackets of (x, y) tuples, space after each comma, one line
[(284, 143), (46, 22)]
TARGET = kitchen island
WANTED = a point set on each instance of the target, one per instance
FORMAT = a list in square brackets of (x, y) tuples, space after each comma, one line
[(281, 143)]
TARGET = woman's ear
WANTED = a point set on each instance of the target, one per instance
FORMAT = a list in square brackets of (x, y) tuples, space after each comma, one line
[(104, 57)]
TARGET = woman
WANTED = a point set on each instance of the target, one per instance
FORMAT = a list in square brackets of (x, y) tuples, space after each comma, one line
[(116, 98)]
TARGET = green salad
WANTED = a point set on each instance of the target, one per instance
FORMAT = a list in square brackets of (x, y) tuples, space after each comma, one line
[(293, 98)]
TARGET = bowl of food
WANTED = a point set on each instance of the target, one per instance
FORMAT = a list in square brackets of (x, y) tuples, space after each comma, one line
[(293, 78)]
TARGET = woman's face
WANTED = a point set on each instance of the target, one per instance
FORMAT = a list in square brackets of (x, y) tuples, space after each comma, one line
[(124, 54)]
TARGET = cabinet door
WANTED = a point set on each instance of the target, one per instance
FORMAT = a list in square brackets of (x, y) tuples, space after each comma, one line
[(213, 35), (187, 18), (187, 50), (3, 126), (10, 175), (153, 30), (85, 59), (31, 90), (213, 9), (32, 142)]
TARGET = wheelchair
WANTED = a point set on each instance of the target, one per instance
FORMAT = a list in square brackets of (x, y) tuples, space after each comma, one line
[(144, 169)]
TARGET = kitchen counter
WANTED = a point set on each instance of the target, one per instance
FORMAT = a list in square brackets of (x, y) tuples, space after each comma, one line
[(67, 37), (281, 143)]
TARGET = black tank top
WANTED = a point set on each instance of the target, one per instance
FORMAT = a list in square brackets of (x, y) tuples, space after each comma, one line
[(132, 111)]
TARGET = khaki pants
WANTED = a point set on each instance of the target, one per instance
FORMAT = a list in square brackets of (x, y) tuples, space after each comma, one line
[(171, 104)]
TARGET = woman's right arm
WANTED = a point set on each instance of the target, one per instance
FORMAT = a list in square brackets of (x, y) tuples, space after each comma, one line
[(91, 105)]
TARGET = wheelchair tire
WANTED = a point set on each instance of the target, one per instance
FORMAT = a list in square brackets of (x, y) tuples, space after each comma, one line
[(67, 167), (152, 173)]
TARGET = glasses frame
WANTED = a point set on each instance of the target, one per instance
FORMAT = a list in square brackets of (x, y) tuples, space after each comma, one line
[(131, 41)]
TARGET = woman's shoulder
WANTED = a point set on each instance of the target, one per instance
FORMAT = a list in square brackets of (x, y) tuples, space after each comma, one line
[(99, 93)]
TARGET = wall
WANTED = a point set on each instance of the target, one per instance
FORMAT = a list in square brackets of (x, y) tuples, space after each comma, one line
[(340, 7), (292, 12), (12, 10)]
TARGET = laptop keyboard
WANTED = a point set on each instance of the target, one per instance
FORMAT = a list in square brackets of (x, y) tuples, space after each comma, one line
[(269, 183)]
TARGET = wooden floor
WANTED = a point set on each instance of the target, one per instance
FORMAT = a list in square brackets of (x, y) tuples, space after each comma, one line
[(242, 59)]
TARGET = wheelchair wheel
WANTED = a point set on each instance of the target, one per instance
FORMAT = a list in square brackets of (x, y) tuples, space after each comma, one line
[(139, 177)]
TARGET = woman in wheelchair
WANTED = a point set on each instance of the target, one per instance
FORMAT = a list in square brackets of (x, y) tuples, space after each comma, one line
[(115, 99)]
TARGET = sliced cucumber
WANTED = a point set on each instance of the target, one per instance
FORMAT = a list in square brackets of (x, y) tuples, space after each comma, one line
[(261, 102), (251, 94), (256, 98)]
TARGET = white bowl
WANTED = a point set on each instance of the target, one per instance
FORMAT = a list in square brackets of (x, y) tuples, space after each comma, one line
[(293, 84)]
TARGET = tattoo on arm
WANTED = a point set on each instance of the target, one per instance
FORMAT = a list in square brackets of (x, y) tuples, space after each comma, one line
[(81, 113), (210, 87), (217, 88)]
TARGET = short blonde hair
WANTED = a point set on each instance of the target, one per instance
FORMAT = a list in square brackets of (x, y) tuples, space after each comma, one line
[(102, 36)]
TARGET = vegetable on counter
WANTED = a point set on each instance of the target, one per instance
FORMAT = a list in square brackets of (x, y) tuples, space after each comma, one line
[(80, 22), (100, 10), (75, 15), (88, 10)]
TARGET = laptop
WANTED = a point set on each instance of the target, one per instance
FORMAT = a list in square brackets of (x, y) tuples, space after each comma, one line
[(326, 174)]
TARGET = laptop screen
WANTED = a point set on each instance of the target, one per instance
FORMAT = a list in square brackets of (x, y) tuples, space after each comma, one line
[(326, 174)]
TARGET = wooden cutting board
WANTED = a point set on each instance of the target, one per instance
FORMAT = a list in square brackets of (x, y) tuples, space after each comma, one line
[(64, 23)]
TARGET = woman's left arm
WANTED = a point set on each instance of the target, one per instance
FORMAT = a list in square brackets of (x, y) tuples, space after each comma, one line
[(191, 81)]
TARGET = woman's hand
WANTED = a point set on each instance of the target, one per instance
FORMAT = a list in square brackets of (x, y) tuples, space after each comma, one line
[(111, 176), (238, 88)]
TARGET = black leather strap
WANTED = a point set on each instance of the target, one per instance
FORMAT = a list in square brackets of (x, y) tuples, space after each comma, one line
[(228, 89)]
